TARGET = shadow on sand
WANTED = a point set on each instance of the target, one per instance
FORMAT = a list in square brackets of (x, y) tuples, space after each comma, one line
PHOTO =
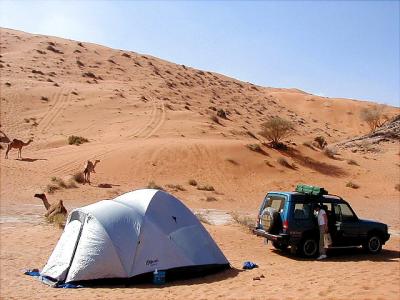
[(350, 254), (144, 281), (308, 162), (30, 159)]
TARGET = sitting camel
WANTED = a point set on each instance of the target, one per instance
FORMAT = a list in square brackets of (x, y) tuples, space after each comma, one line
[(17, 144), (52, 209), (89, 168)]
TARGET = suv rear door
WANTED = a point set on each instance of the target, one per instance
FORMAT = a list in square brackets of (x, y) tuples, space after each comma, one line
[(277, 202)]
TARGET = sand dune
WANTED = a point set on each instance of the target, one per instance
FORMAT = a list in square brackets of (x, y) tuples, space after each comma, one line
[(147, 120)]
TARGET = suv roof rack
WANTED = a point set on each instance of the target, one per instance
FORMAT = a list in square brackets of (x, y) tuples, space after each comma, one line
[(311, 190)]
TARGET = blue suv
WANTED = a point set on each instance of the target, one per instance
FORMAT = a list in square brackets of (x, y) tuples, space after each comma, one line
[(287, 219)]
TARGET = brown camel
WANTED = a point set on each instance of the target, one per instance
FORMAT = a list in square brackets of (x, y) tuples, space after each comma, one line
[(89, 168), (17, 144), (52, 209)]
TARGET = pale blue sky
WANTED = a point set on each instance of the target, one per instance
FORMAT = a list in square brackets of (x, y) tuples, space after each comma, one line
[(330, 48)]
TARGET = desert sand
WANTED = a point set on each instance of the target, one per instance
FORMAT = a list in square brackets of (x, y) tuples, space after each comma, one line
[(149, 120)]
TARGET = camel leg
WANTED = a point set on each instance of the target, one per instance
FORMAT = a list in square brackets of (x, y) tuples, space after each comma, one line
[(19, 152), (88, 177), (8, 150)]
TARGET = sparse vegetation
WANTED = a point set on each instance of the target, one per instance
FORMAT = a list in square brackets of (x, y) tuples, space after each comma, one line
[(43, 98), (352, 162), (211, 199), (192, 182), (51, 188), (245, 221), (331, 152), (78, 177), (205, 187), (397, 187), (373, 116), (153, 185), (176, 187), (221, 113), (77, 140), (321, 142), (275, 130), (232, 161), (254, 147), (283, 162), (352, 185), (65, 184), (309, 145)]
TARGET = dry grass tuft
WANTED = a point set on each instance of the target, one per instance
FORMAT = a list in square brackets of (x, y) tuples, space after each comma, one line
[(352, 162), (77, 140), (283, 162), (232, 161), (192, 182), (245, 221), (211, 199), (176, 187), (153, 185), (331, 152), (205, 187), (352, 185), (397, 187)]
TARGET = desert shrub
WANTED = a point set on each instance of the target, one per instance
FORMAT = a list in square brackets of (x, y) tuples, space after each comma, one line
[(373, 116), (176, 187), (352, 162), (77, 140), (352, 185), (205, 187), (283, 162), (254, 147), (397, 187), (192, 182), (245, 221), (275, 130), (153, 185), (330, 152), (211, 199), (221, 113), (78, 177), (69, 183), (309, 145), (321, 142), (51, 188)]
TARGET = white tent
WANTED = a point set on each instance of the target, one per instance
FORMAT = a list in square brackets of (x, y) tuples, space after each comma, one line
[(133, 234)]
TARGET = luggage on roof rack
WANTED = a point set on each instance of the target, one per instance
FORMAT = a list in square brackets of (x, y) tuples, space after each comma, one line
[(311, 190)]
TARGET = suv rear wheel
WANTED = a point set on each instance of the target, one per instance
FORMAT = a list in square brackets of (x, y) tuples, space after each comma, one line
[(309, 247), (373, 244)]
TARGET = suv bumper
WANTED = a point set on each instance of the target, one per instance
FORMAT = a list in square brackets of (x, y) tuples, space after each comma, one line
[(272, 237)]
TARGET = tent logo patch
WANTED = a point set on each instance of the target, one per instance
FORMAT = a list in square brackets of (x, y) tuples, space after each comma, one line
[(151, 262)]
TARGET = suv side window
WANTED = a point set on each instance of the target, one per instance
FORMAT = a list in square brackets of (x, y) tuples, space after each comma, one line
[(302, 211), (343, 212)]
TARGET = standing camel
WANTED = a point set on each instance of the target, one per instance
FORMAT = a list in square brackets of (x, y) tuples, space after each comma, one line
[(52, 209), (89, 168), (17, 144)]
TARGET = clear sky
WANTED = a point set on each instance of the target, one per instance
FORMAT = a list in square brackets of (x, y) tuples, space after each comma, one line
[(344, 49)]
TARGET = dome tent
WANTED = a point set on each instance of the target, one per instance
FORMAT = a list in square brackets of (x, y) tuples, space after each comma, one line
[(132, 235)]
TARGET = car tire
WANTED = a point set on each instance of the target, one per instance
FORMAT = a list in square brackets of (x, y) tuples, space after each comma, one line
[(373, 244), (309, 247), (280, 246)]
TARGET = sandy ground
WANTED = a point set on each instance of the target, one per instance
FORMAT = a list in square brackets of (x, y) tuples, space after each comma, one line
[(151, 120)]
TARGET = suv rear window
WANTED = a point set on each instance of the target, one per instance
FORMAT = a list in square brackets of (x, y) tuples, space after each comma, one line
[(276, 202)]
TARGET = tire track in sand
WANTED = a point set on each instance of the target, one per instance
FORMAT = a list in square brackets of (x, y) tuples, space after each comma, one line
[(157, 119)]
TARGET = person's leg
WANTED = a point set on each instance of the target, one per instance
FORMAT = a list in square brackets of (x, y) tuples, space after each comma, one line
[(321, 240)]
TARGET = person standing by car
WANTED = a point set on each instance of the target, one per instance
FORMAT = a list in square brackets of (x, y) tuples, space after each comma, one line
[(323, 229)]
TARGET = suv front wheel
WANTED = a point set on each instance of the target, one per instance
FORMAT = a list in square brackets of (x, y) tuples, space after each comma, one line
[(373, 244), (309, 247)]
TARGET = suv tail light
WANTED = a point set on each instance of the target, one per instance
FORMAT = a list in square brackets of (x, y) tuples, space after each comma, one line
[(285, 225)]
